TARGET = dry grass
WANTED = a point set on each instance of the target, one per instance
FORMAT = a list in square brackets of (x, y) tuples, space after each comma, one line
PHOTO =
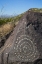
[(5, 29)]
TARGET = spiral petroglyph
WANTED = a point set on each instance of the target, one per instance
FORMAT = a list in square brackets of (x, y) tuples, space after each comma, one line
[(24, 48)]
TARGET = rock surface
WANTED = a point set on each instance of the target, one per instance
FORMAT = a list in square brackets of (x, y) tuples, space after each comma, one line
[(24, 46)]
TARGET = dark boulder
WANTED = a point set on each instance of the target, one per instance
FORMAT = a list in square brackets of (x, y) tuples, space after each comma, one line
[(24, 46)]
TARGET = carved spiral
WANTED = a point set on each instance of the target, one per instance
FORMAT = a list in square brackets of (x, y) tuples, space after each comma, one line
[(24, 48)]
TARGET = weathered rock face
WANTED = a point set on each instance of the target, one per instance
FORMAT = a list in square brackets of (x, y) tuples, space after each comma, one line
[(35, 19), (25, 43)]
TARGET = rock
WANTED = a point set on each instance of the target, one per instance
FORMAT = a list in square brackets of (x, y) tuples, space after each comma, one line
[(35, 19), (24, 46)]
